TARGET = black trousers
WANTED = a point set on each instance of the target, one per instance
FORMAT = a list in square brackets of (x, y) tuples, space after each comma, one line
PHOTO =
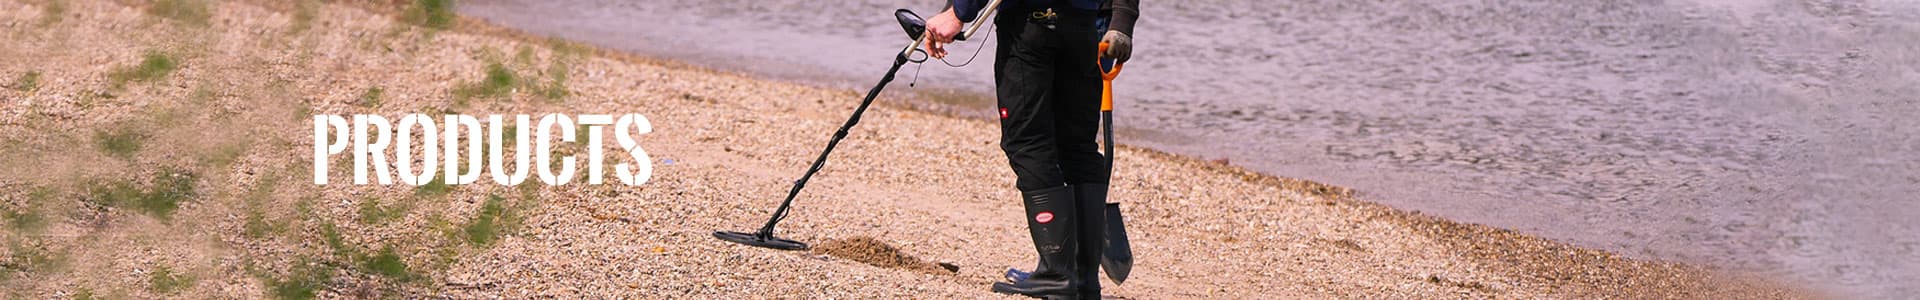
[(1048, 83)]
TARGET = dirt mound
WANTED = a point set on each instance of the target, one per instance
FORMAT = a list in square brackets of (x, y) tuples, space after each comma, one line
[(874, 252)]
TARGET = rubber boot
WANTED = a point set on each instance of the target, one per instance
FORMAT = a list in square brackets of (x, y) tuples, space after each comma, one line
[(1091, 202), (1052, 221)]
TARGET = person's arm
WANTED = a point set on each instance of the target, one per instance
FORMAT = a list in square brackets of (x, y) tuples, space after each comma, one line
[(1119, 35), (1125, 13), (967, 10)]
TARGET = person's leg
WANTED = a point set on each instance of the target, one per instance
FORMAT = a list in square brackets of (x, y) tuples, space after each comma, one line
[(1023, 72), (1076, 106), (1077, 89), (1023, 77)]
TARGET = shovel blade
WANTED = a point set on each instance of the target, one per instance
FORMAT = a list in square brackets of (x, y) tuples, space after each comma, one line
[(1117, 256)]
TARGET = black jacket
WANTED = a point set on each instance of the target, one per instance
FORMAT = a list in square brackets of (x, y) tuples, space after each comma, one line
[(1123, 13)]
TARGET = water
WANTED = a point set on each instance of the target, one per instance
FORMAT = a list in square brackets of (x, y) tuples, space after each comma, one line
[(1771, 137)]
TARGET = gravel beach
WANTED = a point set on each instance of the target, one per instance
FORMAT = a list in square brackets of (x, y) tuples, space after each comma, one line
[(163, 149), (1766, 136)]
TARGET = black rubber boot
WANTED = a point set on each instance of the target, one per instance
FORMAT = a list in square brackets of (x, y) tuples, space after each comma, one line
[(1090, 200), (1052, 221)]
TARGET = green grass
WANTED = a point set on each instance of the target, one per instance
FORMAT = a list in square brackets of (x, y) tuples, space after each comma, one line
[(493, 221), (338, 243), (170, 187), (436, 188), (305, 282), (31, 260), (371, 97), (192, 12), (555, 89), (164, 280), (387, 263), (154, 65), (28, 219), (371, 213), (121, 141), (304, 12), (433, 14), (52, 12), (83, 294), (24, 220), (258, 226), (27, 83), (499, 81), (224, 155), (257, 198)]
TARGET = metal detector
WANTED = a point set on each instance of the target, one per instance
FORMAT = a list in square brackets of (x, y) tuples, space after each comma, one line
[(916, 29)]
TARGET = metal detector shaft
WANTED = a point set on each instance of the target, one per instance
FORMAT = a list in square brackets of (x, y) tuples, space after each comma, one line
[(764, 237), (781, 213)]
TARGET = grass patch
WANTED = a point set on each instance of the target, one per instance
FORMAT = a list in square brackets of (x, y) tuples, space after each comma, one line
[(120, 141), (302, 111), (258, 226), (495, 219), (257, 198), (192, 12), (555, 89), (371, 97), (24, 220), (387, 263), (31, 260), (27, 83), (304, 12), (52, 12), (305, 282), (434, 14), (436, 188), (371, 213), (224, 155), (28, 219), (499, 81), (164, 280), (170, 187), (338, 243), (154, 65)]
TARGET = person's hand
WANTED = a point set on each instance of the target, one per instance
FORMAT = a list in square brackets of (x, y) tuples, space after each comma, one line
[(940, 31), (1119, 46)]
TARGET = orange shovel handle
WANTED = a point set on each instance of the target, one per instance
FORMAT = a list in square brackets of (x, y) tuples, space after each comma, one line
[(1106, 80)]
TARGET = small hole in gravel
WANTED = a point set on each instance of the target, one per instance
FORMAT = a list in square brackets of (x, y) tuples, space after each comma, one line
[(874, 252)]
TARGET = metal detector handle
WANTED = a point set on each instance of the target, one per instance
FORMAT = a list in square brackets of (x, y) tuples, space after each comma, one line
[(986, 16)]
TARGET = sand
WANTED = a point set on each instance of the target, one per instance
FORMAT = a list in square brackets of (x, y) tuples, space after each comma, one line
[(235, 114)]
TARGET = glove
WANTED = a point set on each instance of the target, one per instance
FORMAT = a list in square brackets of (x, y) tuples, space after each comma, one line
[(1119, 46)]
